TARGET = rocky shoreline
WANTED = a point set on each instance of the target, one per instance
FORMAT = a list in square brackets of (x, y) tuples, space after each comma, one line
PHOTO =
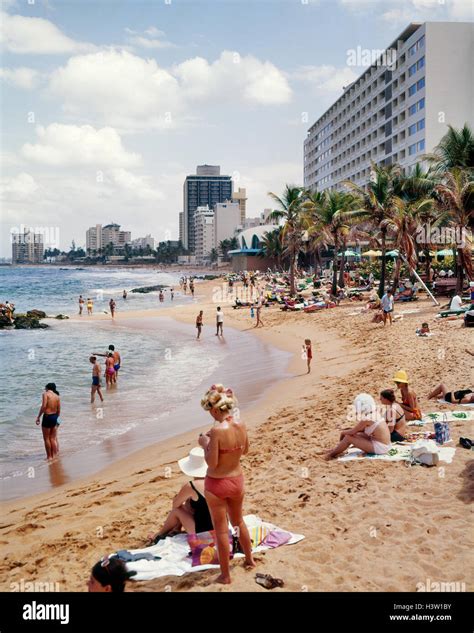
[(29, 321)]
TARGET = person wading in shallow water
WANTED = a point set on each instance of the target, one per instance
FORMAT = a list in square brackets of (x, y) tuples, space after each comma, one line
[(50, 409)]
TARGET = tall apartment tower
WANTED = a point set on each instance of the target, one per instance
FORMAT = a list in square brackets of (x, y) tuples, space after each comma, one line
[(398, 109), (27, 247), (205, 188), (204, 233), (240, 196)]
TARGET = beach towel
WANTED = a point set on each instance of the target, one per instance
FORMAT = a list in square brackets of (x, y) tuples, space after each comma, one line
[(174, 553), (457, 404), (400, 452), (444, 416)]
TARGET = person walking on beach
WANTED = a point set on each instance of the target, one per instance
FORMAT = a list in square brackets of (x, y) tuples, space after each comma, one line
[(387, 306), (199, 324), (81, 304), (124, 294), (112, 308), (95, 388), (172, 293), (259, 310), (308, 353), (90, 305), (191, 287), (219, 321), (50, 409), (185, 285), (223, 447)]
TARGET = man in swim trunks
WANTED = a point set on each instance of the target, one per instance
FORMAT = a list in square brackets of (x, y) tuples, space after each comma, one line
[(81, 304), (51, 409), (95, 380), (199, 324), (220, 322), (387, 306), (112, 307)]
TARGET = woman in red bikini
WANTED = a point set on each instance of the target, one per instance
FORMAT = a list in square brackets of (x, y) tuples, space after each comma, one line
[(223, 446)]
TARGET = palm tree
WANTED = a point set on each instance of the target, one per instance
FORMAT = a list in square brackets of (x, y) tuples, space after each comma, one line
[(271, 245), (214, 255), (456, 195), (312, 201), (456, 149), (290, 210), (376, 205), (329, 224)]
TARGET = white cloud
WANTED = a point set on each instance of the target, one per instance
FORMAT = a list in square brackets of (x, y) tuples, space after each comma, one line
[(138, 186), (18, 187), (25, 35), (150, 38), (326, 81), (26, 78), (63, 145), (398, 11), (129, 92)]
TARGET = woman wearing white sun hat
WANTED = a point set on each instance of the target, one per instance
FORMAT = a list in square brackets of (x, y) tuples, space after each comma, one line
[(190, 510)]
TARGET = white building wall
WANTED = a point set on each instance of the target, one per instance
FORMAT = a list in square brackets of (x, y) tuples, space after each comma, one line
[(227, 216)]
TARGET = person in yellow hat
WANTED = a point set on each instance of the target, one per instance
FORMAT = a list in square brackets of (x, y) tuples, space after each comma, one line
[(409, 401)]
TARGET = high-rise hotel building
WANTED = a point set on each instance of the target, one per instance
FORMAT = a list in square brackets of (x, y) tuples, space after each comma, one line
[(396, 111), (205, 188)]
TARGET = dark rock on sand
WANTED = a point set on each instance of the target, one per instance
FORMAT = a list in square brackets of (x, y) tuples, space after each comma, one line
[(36, 314), (146, 289), (5, 322), (61, 316), (26, 322)]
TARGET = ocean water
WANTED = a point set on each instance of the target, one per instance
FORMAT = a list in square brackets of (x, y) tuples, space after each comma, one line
[(164, 373)]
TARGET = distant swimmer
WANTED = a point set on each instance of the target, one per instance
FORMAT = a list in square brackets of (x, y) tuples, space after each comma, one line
[(161, 296), (81, 304), (124, 294), (112, 307), (95, 380), (90, 305), (50, 409)]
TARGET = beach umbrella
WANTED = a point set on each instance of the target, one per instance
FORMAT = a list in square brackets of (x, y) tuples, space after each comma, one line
[(350, 253), (446, 252), (393, 253), (372, 254)]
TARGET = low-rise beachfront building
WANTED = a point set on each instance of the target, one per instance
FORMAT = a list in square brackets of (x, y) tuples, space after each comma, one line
[(99, 237), (249, 255), (143, 242), (27, 247), (398, 109)]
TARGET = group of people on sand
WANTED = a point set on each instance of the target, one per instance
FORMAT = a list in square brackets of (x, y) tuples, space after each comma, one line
[(208, 501), (378, 426)]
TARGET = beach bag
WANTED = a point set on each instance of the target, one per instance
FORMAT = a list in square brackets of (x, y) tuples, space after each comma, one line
[(204, 548), (442, 433)]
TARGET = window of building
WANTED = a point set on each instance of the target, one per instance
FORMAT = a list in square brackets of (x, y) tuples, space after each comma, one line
[(412, 70), (420, 83), (411, 90), (412, 149)]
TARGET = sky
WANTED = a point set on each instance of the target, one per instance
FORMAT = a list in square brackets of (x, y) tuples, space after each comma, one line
[(107, 105)]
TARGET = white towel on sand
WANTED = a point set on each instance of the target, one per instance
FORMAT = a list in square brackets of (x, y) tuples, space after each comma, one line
[(174, 554), (457, 404), (446, 453)]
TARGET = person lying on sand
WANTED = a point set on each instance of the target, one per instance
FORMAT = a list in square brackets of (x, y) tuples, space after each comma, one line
[(109, 575), (409, 401), (190, 510), (462, 396), (370, 434), (394, 416), (424, 330)]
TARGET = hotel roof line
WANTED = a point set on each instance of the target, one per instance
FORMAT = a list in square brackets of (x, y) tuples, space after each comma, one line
[(404, 35)]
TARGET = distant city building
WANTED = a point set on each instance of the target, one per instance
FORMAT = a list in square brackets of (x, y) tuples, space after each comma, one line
[(227, 216), (205, 188), (204, 231), (397, 110), (240, 197), (263, 219), (181, 227), (143, 242), (27, 247), (98, 237)]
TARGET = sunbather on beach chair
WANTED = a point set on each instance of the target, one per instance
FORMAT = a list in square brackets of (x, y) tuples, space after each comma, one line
[(462, 396)]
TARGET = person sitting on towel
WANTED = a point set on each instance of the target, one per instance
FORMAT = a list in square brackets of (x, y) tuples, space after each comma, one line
[(370, 434), (394, 416), (409, 401), (190, 510), (109, 575), (462, 396)]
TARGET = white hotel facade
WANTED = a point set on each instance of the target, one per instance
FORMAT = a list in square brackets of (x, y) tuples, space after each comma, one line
[(397, 113)]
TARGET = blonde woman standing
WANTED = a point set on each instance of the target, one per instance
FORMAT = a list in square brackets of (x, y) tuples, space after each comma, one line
[(223, 447)]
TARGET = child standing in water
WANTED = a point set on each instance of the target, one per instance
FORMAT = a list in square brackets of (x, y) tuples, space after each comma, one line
[(308, 353)]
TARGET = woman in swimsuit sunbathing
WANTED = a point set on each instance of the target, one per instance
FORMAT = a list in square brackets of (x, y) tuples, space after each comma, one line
[(370, 434), (223, 447), (462, 396), (190, 510), (394, 416)]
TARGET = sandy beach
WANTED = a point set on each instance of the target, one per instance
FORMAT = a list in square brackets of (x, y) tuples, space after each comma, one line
[(369, 525)]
